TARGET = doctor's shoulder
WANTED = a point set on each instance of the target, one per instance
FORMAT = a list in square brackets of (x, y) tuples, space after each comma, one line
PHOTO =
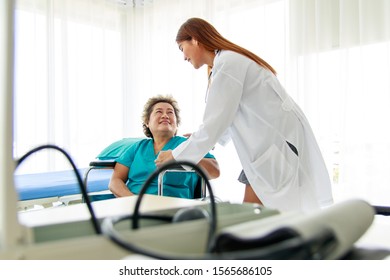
[(232, 57), (230, 61)]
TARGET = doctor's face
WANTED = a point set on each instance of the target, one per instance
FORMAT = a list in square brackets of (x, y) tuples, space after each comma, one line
[(162, 120), (192, 52)]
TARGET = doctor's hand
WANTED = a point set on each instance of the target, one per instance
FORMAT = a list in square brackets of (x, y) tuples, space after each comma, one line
[(163, 157)]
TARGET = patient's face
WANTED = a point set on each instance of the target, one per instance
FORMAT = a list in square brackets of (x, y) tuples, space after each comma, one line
[(163, 120)]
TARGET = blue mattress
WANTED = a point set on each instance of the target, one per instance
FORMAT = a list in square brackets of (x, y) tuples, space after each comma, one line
[(59, 183)]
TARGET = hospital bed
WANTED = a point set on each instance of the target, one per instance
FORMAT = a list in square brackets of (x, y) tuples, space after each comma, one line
[(56, 188)]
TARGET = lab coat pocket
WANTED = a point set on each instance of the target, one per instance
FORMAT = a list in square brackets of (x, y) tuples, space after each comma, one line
[(276, 169)]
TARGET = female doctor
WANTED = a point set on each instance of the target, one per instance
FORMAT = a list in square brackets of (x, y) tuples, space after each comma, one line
[(246, 103)]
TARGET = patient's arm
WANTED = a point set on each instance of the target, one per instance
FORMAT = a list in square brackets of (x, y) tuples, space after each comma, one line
[(210, 165), (118, 181)]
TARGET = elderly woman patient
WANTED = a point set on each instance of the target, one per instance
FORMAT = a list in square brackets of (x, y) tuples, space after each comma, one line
[(161, 118)]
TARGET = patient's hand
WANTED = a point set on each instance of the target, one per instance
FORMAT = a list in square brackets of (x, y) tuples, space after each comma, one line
[(163, 157)]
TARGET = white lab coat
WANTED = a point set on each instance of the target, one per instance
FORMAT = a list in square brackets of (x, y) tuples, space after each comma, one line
[(248, 104)]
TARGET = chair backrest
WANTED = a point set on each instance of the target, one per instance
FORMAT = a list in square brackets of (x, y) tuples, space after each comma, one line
[(114, 150)]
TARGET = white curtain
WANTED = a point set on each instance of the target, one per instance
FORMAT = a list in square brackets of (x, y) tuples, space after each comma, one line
[(85, 68), (68, 79), (340, 73)]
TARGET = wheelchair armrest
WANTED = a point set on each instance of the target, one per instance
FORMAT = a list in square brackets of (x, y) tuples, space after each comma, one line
[(96, 165), (109, 163)]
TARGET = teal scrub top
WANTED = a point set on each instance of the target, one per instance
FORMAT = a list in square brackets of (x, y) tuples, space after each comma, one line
[(140, 157)]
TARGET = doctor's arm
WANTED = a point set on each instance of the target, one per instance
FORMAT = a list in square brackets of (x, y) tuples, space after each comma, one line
[(221, 108), (209, 165)]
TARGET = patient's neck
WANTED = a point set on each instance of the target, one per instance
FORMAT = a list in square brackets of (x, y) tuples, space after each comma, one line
[(159, 142)]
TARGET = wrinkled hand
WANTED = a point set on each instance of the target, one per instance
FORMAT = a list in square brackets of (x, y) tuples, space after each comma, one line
[(163, 157)]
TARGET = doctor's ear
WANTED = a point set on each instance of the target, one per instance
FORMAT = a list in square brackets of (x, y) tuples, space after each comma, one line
[(195, 42)]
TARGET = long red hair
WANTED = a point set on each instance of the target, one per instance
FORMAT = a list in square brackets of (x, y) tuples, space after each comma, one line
[(211, 39)]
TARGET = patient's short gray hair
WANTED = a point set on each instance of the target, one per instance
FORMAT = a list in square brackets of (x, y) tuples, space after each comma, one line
[(148, 108)]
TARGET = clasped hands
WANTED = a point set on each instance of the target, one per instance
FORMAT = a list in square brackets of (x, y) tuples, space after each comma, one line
[(163, 157)]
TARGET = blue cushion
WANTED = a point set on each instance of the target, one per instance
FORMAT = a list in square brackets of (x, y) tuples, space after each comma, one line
[(114, 150)]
